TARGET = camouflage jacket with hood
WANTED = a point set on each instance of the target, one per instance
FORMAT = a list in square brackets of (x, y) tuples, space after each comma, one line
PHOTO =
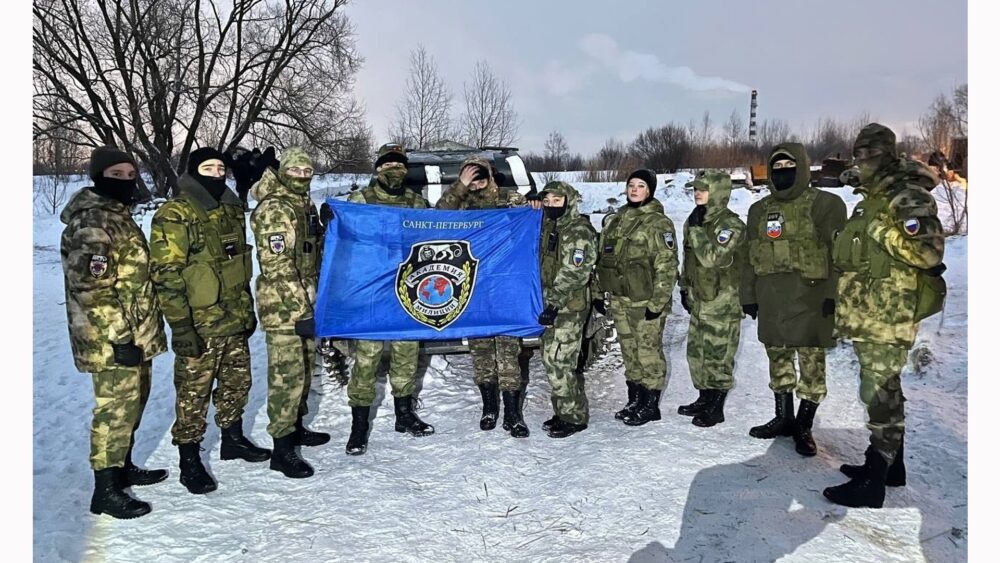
[(459, 196), (568, 254), (110, 298)]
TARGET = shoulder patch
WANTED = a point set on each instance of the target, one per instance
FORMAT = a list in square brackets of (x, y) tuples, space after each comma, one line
[(724, 236), (98, 265), (577, 257), (277, 243), (911, 226), (668, 239)]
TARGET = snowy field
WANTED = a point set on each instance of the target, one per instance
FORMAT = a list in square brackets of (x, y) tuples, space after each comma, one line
[(666, 491)]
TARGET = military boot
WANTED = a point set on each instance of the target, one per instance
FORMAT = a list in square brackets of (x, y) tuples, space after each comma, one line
[(866, 491), (285, 459), (491, 407), (713, 413), (193, 473), (783, 422), (512, 410), (697, 406), (633, 400), (896, 477), (357, 443), (305, 437), (237, 446), (138, 477), (548, 424), (110, 499), (407, 420), (649, 407), (802, 434), (563, 428)]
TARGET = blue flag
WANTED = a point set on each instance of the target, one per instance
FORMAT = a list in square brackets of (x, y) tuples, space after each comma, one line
[(393, 273)]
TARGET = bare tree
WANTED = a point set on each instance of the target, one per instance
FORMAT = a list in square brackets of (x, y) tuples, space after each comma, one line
[(664, 149), (939, 124), (159, 77), (735, 130), (56, 159), (556, 151), (489, 117), (423, 116), (612, 163)]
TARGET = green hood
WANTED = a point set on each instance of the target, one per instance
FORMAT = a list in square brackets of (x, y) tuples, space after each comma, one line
[(186, 184), (720, 188), (903, 170), (797, 152), (567, 191), (86, 199)]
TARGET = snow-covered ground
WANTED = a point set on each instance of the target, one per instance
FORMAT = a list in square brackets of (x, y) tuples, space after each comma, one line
[(666, 491)]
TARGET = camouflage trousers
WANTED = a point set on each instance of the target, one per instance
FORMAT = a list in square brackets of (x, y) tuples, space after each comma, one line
[(290, 363), (811, 380), (882, 393), (226, 362), (712, 343), (494, 360), (402, 370), (642, 345), (560, 355), (121, 396)]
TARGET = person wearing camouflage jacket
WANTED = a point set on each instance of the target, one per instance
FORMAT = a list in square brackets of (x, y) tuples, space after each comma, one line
[(494, 360), (286, 227), (890, 255), (714, 245), (114, 321), (637, 267), (788, 280), (386, 188), (568, 253), (202, 265)]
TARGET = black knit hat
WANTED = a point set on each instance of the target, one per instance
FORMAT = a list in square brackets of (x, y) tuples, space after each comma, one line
[(391, 152), (104, 157), (201, 155), (646, 175)]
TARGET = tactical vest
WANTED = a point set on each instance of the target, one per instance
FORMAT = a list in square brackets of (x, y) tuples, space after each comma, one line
[(623, 269), (410, 198), (308, 232), (705, 283), (220, 266), (855, 251), (787, 241), (554, 257), (502, 201)]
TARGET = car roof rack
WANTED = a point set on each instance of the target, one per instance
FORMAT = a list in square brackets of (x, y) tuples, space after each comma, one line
[(498, 149)]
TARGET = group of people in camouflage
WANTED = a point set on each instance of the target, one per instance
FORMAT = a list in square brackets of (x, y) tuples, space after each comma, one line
[(798, 265)]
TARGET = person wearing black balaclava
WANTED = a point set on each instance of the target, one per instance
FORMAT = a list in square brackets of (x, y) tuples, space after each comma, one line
[(202, 266), (115, 326), (790, 287)]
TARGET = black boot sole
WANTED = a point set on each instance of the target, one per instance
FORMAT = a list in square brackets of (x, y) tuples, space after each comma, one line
[(833, 495), (785, 433), (701, 422), (411, 432), (202, 491), (120, 515), (684, 411), (641, 421), (149, 481), (246, 456), (292, 475), (356, 451)]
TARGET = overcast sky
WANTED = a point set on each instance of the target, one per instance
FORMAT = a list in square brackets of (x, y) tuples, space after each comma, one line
[(595, 70)]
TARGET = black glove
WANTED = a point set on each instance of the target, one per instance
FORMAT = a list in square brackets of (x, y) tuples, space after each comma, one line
[(650, 315), (685, 303), (936, 271), (127, 354), (548, 316), (533, 196), (829, 305), (750, 309), (599, 306), (306, 328), (186, 342), (325, 214), (697, 216)]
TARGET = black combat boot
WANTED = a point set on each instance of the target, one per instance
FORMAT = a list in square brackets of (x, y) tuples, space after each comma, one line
[(285, 459), (896, 477), (357, 443), (713, 413), (491, 407), (137, 476), (548, 424), (305, 437), (407, 420), (562, 428), (236, 446), (803, 435), (783, 422), (634, 396), (866, 491), (193, 473), (512, 410), (649, 408), (110, 499), (697, 406)]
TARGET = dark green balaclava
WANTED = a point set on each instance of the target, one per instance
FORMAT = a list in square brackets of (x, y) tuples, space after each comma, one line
[(290, 158), (391, 179), (879, 143)]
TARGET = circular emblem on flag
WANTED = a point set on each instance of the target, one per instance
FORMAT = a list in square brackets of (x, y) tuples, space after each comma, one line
[(435, 282)]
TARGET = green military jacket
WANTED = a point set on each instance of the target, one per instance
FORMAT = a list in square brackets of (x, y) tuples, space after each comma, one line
[(201, 262), (110, 298), (892, 237), (286, 228), (637, 264), (713, 256), (568, 254), (459, 196), (375, 194), (788, 267)]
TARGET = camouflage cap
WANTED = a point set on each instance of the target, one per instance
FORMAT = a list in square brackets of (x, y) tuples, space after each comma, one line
[(699, 182), (561, 189), (390, 152), (876, 136), (293, 156)]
